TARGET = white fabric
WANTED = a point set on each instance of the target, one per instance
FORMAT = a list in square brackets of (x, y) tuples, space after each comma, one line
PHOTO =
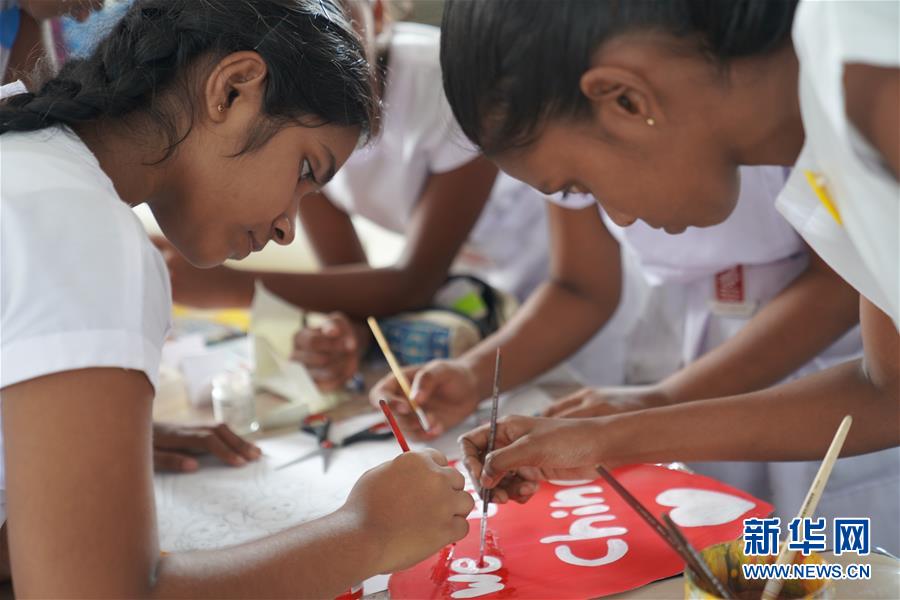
[(383, 181), (81, 283), (11, 89), (866, 249), (419, 136), (680, 323)]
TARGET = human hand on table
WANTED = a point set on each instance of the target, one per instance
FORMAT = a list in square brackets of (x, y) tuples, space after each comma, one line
[(445, 389), (176, 447), (331, 351), (217, 287), (599, 402), (409, 508), (528, 450)]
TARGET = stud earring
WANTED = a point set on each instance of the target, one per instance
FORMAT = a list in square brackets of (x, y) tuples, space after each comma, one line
[(650, 121), (221, 108)]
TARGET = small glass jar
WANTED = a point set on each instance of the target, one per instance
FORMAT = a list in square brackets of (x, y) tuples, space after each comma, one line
[(725, 561), (234, 401)]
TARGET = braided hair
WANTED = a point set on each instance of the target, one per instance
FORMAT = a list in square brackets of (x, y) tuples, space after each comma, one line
[(317, 71)]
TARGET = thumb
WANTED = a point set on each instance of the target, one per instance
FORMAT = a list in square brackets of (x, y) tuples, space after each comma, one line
[(427, 381)]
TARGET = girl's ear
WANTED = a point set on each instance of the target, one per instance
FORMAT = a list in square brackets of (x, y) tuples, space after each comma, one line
[(237, 83), (620, 97)]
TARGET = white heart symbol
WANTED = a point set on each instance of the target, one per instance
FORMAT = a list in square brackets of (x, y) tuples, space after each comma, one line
[(701, 508)]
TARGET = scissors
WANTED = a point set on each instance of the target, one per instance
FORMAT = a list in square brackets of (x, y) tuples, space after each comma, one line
[(319, 426)]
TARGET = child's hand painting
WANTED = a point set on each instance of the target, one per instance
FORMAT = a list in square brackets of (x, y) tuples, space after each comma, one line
[(331, 350), (599, 402), (445, 389), (410, 508), (176, 447), (529, 450)]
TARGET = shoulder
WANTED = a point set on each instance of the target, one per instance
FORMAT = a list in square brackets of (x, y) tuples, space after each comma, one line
[(77, 271), (414, 73), (416, 46)]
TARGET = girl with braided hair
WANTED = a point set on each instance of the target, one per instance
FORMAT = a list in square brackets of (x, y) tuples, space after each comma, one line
[(219, 115)]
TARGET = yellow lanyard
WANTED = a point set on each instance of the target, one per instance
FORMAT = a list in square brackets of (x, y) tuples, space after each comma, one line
[(817, 183)]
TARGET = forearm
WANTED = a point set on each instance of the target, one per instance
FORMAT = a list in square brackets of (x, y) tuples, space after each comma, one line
[(793, 421), (319, 559), (551, 326), (796, 326), (356, 290)]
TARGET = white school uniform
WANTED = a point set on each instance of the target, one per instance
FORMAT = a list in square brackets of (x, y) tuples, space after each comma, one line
[(80, 282), (508, 247), (419, 137), (706, 284), (864, 248)]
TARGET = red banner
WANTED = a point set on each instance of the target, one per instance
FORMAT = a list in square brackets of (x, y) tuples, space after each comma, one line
[(581, 540)]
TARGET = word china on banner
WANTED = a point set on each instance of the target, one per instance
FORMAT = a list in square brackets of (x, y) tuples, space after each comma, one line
[(579, 539)]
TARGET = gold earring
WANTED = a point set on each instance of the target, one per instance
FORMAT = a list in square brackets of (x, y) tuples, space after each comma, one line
[(221, 108), (650, 121)]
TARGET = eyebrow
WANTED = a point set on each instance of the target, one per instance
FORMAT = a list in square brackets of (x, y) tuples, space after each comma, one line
[(329, 174)]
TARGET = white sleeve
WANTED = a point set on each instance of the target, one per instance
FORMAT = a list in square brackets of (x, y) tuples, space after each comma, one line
[(573, 201), (447, 147), (81, 286), (859, 32)]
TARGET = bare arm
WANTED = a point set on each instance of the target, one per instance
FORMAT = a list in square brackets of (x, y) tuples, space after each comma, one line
[(580, 296), (798, 324), (872, 95), (449, 206), (330, 232), (81, 512), (793, 421)]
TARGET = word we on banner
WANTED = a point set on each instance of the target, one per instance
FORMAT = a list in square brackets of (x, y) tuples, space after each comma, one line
[(579, 539)]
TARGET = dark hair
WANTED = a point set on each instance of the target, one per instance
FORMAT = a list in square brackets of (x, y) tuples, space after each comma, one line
[(317, 71), (509, 65)]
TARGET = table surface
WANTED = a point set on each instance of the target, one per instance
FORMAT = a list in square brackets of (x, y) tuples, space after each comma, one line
[(173, 406)]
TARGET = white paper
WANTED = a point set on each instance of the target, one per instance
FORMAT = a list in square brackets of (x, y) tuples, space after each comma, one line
[(221, 506), (273, 325)]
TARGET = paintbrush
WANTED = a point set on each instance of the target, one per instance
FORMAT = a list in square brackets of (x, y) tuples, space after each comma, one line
[(808, 509), (393, 423), (398, 372), (698, 565), (485, 493), (659, 528)]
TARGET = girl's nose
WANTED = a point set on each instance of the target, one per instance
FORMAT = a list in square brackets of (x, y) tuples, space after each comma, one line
[(283, 230)]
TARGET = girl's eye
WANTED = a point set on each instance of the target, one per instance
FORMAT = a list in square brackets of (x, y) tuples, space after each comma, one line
[(306, 171)]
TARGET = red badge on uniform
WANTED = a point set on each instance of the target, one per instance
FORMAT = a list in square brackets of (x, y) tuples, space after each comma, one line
[(730, 285)]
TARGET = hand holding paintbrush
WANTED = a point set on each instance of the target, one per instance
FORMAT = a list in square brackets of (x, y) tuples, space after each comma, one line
[(398, 373), (486, 493)]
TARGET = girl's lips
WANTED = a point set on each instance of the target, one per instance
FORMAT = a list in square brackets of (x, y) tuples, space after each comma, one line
[(254, 244)]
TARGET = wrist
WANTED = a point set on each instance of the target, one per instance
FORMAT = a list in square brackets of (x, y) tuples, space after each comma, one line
[(657, 395), (366, 540), (480, 372)]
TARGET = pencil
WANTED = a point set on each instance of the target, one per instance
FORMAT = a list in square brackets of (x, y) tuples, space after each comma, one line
[(393, 423), (808, 509), (398, 372)]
